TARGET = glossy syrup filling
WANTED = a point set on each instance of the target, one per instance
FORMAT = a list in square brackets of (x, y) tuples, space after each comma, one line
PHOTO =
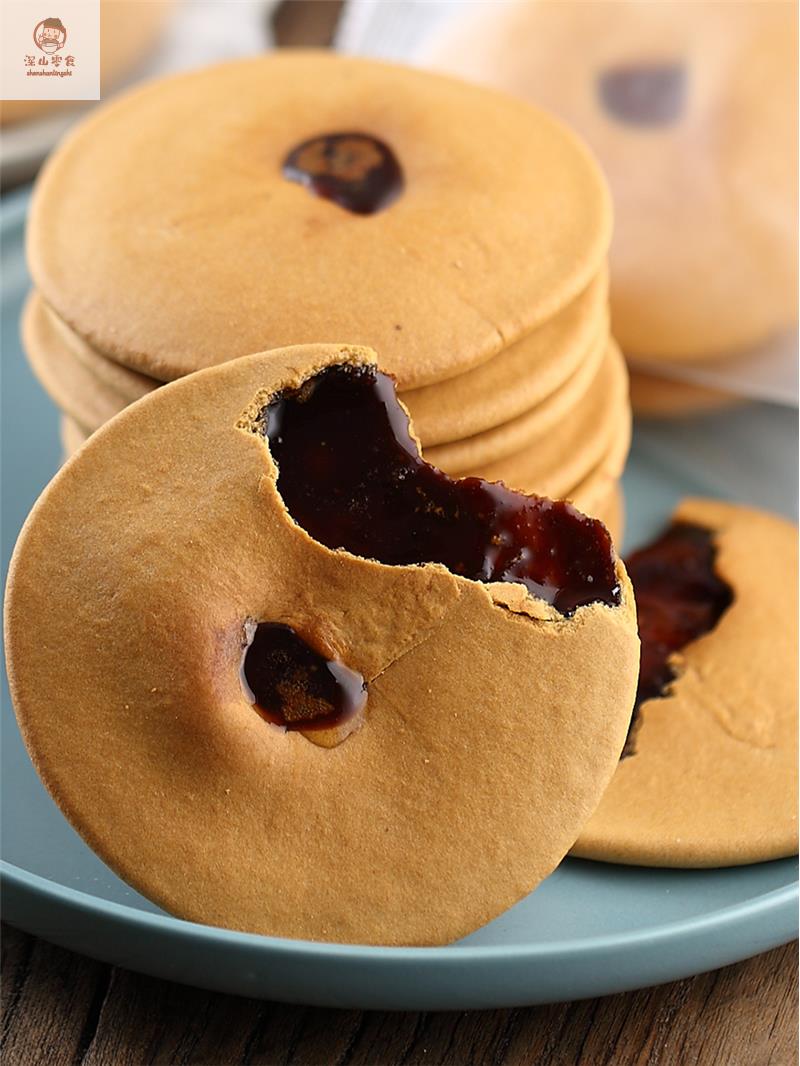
[(294, 685), (355, 170), (351, 475), (679, 597)]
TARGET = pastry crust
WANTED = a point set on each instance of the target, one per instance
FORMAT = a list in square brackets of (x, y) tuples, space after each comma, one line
[(713, 781), (53, 340), (554, 367), (552, 415), (67, 381), (521, 377), (597, 439), (493, 724)]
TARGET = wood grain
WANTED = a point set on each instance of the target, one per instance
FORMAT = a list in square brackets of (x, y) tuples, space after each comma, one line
[(60, 1009)]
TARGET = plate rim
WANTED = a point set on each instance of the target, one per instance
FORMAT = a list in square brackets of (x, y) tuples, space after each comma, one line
[(760, 907)]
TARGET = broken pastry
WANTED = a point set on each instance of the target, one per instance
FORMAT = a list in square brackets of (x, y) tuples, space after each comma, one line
[(708, 776), (286, 677)]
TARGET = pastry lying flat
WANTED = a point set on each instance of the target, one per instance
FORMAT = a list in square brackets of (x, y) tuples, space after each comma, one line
[(329, 196), (260, 726), (709, 775)]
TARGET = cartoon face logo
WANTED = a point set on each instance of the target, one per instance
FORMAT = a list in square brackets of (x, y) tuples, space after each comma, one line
[(50, 35)]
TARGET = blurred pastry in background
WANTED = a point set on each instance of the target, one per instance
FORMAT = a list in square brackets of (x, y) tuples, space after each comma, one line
[(661, 397), (129, 30), (692, 110)]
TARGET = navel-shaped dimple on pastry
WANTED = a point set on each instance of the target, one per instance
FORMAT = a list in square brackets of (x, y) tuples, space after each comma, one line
[(709, 775), (500, 221), (495, 709)]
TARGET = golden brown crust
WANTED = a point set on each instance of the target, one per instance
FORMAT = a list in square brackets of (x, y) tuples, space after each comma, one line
[(552, 413), (596, 442), (522, 376), (57, 341), (67, 381), (714, 778), (92, 388), (491, 723)]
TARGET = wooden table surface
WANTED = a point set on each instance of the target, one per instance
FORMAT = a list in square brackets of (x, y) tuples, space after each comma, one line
[(60, 1009)]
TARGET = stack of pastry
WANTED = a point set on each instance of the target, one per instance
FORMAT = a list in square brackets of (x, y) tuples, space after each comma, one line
[(461, 233)]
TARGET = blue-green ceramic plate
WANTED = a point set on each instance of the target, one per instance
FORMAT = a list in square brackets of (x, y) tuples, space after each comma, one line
[(590, 929)]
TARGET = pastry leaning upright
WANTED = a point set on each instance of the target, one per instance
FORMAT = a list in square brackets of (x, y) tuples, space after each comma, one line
[(498, 680)]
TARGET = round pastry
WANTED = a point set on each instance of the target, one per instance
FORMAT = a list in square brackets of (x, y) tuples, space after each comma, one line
[(522, 376), (709, 773), (47, 339), (66, 380), (692, 110), (576, 403), (259, 725), (128, 30), (328, 196), (597, 438)]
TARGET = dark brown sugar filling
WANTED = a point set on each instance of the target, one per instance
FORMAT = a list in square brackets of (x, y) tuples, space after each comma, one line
[(295, 686), (351, 475), (644, 94), (355, 170), (679, 597)]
